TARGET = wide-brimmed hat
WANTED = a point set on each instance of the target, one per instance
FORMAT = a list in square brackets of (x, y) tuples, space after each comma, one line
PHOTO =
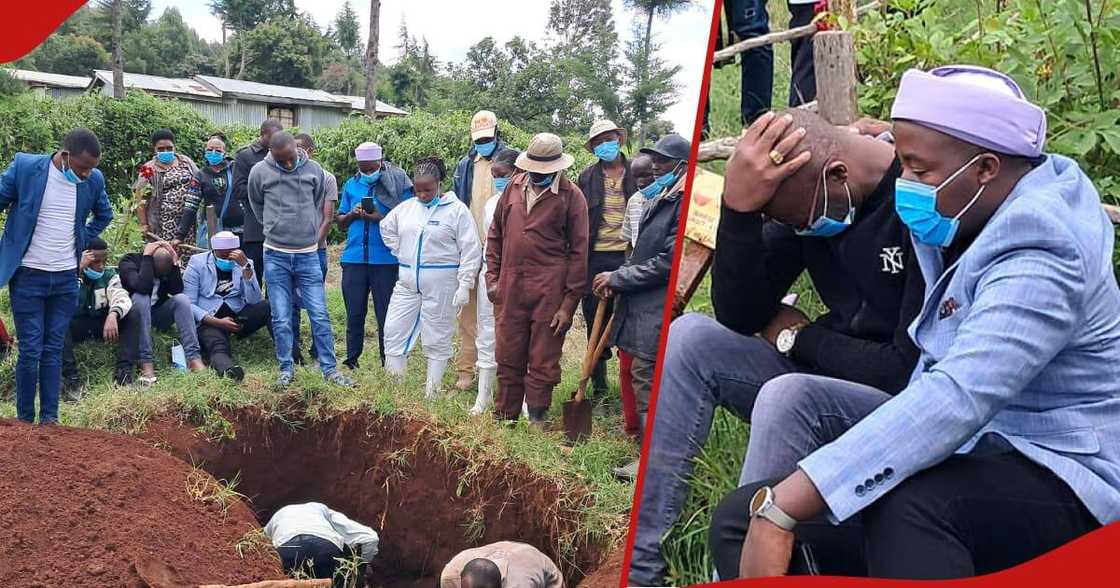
[(484, 124), (672, 146), (545, 155), (600, 127)]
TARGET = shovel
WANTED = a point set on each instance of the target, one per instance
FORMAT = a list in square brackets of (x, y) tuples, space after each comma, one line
[(577, 411)]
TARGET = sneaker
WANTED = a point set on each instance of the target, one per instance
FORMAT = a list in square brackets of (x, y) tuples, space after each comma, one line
[(340, 380), (147, 380), (297, 358), (352, 365), (628, 472), (235, 373), (72, 390), (284, 380), (124, 377)]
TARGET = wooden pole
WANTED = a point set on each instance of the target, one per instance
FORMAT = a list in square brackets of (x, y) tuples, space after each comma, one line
[(834, 62), (211, 223)]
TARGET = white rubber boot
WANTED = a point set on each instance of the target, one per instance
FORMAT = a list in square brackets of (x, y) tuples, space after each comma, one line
[(485, 391), (396, 364), (436, 367)]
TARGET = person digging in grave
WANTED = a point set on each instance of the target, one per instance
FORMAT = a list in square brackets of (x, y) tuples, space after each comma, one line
[(313, 539), (505, 564)]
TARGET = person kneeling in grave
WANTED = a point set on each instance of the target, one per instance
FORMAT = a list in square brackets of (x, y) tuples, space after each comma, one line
[(315, 539)]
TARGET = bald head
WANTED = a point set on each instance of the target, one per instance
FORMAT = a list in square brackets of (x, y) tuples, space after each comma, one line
[(481, 573)]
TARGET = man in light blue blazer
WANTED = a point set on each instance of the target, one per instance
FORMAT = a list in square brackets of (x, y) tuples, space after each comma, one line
[(225, 299), (1006, 442)]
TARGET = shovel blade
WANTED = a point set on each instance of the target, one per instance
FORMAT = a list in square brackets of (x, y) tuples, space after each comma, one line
[(577, 420)]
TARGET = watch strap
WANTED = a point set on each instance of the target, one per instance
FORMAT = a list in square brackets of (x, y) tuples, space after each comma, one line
[(775, 515)]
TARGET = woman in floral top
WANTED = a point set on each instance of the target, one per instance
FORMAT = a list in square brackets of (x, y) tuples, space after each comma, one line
[(166, 182)]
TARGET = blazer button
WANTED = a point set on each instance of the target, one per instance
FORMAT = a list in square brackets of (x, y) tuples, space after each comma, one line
[(869, 483), (878, 478), (859, 490), (888, 473)]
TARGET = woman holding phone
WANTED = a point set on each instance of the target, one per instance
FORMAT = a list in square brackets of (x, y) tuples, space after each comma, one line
[(368, 267)]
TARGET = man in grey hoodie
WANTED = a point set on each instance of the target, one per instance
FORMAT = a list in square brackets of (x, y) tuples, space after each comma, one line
[(286, 192)]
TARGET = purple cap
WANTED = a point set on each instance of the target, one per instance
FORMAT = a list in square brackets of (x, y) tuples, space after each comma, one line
[(224, 240), (368, 151), (974, 104)]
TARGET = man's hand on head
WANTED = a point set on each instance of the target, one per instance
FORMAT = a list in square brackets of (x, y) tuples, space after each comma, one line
[(760, 162), (870, 126), (152, 247)]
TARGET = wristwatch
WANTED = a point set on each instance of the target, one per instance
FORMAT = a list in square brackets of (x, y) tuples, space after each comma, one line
[(762, 506), (786, 338)]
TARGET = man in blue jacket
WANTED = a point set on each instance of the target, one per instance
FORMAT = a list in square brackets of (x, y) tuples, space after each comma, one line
[(56, 203), (1005, 443), (368, 268)]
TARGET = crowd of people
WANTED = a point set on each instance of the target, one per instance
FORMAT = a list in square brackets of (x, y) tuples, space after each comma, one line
[(953, 413), (237, 244)]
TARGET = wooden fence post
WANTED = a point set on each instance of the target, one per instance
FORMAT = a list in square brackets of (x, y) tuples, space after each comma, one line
[(834, 59)]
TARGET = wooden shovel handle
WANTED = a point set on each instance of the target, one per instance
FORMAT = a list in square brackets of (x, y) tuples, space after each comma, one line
[(600, 345), (593, 338)]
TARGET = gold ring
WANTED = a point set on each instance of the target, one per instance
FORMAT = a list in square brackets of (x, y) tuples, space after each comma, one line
[(777, 157)]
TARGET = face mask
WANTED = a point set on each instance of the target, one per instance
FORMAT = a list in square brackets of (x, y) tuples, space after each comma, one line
[(651, 190), (433, 202), (226, 265), (916, 205), (93, 275), (541, 180), (215, 157), (370, 179), (485, 149), (824, 226), (607, 151), (165, 157), (69, 173), (500, 184)]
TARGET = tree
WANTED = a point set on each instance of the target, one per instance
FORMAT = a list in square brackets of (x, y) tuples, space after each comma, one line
[(284, 51), (75, 55), (347, 30), (585, 45), (118, 53), (243, 16), (371, 58), (652, 89), (651, 9), (413, 77), (99, 22)]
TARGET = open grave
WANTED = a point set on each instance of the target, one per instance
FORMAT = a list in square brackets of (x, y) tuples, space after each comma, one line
[(427, 498)]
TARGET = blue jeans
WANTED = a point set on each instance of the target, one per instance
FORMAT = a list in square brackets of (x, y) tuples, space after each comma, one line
[(285, 273), (297, 304), (42, 305), (706, 365)]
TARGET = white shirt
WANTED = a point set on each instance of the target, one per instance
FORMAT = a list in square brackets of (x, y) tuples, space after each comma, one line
[(52, 246), (316, 519)]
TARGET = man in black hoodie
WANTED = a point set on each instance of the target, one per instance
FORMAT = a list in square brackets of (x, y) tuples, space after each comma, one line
[(828, 199), (252, 237), (213, 185)]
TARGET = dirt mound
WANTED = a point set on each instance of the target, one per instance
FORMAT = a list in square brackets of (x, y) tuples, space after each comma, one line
[(88, 508), (609, 575), (397, 475)]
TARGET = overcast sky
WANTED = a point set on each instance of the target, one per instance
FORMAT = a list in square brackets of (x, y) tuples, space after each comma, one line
[(452, 26)]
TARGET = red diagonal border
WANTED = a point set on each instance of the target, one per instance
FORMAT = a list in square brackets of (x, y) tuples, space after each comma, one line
[(24, 25)]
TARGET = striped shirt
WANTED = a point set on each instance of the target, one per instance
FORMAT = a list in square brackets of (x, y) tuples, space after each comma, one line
[(610, 236)]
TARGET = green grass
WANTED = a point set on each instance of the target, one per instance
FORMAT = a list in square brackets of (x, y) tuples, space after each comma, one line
[(201, 396)]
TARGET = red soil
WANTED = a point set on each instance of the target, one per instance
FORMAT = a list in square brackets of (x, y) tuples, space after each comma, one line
[(609, 575), (80, 508)]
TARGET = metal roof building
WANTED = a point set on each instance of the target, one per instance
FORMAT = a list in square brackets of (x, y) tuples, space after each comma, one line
[(225, 101), (49, 84)]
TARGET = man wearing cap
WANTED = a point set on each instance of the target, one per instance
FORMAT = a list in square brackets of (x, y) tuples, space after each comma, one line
[(643, 281), (606, 185), (225, 299), (536, 274), (474, 184), (368, 267), (1004, 445)]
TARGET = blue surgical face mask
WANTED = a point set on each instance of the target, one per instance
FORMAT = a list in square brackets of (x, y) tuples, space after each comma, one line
[(69, 173), (433, 202), (486, 149), (370, 179), (215, 157), (607, 150), (500, 184), (93, 274), (916, 205), (825, 226), (538, 181), (226, 265), (650, 191), (165, 157)]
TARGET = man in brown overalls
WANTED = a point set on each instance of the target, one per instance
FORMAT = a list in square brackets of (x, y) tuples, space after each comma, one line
[(536, 273)]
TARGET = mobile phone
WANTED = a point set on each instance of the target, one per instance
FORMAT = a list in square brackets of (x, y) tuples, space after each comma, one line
[(367, 205), (803, 562)]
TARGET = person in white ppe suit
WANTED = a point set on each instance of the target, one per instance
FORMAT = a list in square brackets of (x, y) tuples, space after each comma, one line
[(502, 167), (435, 241), (313, 538)]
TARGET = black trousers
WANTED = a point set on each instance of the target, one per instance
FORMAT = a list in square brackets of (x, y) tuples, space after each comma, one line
[(255, 252), (968, 515), (803, 78), (83, 328), (359, 282), (597, 263), (215, 342), (304, 551)]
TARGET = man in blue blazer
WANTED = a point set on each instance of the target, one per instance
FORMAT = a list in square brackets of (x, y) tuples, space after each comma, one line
[(56, 203), (225, 299), (1006, 442)]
